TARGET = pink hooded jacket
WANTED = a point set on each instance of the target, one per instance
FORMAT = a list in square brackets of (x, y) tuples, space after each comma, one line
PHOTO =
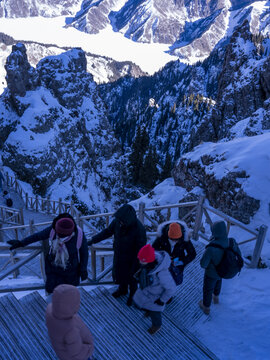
[(70, 337)]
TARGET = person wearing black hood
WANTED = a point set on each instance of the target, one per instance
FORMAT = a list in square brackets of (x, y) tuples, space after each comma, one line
[(67, 257), (211, 258), (129, 237)]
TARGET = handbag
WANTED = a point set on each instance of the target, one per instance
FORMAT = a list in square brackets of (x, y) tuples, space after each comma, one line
[(177, 273)]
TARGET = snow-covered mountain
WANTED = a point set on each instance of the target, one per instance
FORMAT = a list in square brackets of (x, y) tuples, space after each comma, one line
[(46, 8), (54, 130), (103, 69), (191, 28)]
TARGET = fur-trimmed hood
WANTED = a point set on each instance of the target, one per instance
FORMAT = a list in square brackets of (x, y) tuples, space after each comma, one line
[(181, 223)]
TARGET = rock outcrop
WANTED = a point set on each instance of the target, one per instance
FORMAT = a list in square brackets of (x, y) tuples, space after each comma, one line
[(60, 132)]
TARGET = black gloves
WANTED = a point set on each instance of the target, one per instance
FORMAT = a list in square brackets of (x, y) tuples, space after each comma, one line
[(84, 275), (159, 302), (15, 244)]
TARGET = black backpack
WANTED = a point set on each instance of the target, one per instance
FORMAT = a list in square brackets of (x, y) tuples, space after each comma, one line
[(231, 262)]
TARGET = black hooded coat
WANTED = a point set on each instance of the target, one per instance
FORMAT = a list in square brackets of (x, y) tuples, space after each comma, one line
[(129, 237)]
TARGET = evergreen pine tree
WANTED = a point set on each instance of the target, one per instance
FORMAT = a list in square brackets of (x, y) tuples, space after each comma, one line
[(136, 157), (167, 168), (149, 172)]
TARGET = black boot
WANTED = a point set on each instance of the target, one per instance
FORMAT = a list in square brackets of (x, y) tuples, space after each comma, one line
[(129, 300), (119, 292)]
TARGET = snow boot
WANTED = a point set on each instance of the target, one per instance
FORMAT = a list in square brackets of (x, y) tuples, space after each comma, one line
[(215, 299), (153, 329), (204, 308)]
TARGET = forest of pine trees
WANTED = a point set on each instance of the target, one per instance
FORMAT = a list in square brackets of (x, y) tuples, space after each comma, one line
[(143, 162)]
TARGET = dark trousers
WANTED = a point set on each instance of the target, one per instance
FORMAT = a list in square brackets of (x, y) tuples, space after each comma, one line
[(156, 318), (210, 287), (132, 285)]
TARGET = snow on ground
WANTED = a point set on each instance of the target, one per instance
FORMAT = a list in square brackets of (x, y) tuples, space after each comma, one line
[(150, 57), (238, 328)]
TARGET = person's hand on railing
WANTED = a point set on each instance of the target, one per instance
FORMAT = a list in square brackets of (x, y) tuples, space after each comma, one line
[(15, 244)]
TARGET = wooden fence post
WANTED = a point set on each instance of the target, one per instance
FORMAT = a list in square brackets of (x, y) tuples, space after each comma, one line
[(48, 205), (31, 226), (258, 247), (26, 200), (21, 216), (36, 203), (198, 219), (141, 212), (60, 206), (93, 264)]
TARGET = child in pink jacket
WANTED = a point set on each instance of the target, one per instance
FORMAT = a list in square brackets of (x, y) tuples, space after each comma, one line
[(70, 337)]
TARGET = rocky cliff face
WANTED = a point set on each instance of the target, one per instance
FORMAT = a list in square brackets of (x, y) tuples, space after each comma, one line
[(56, 131), (225, 194), (242, 90), (102, 68), (27, 8)]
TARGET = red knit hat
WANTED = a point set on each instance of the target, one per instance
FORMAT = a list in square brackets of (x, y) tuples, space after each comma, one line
[(147, 254), (64, 226), (175, 231)]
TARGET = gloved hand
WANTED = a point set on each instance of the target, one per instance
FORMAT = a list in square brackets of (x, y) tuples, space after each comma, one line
[(159, 302), (84, 275), (14, 244)]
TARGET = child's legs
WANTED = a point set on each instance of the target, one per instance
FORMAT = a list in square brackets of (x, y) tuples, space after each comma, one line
[(156, 318)]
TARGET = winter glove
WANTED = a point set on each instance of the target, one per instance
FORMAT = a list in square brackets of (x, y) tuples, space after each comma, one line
[(15, 244), (84, 275), (159, 302)]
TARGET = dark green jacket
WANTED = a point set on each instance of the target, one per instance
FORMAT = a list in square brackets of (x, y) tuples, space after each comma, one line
[(212, 256)]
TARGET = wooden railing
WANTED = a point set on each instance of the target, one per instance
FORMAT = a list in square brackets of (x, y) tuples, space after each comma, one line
[(39, 204), (196, 213)]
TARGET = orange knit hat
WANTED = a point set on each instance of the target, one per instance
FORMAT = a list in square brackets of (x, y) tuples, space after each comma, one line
[(147, 254), (175, 231)]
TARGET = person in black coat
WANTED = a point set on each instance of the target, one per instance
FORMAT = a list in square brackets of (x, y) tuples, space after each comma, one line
[(129, 237), (67, 258), (173, 238)]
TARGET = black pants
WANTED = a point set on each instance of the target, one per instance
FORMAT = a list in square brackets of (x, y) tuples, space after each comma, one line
[(210, 287), (156, 318), (132, 285)]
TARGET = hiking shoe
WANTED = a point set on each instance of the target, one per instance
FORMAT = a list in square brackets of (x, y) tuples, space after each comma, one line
[(119, 293), (205, 309), (215, 299), (153, 329)]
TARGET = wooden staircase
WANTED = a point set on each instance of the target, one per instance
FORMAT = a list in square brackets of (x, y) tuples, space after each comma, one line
[(120, 332)]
